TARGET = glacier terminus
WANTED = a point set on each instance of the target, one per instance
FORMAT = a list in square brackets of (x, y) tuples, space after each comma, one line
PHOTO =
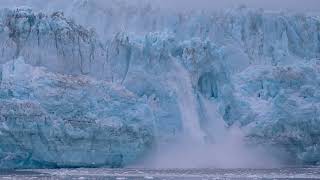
[(121, 86)]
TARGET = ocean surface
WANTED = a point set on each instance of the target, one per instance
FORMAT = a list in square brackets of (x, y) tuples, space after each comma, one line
[(165, 174)]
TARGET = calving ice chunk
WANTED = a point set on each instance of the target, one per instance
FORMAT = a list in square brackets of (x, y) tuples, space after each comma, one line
[(77, 93)]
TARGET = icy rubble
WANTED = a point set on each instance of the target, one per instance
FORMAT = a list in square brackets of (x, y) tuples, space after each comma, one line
[(259, 69)]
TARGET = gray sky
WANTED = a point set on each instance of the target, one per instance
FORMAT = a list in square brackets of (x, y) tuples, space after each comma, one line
[(297, 5)]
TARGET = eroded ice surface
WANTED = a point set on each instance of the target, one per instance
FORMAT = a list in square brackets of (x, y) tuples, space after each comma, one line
[(52, 120)]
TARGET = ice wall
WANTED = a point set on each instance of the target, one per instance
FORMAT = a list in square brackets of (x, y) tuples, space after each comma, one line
[(52, 120), (173, 75)]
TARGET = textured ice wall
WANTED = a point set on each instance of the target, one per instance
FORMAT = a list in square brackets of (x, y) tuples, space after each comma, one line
[(52, 120), (285, 102), (257, 69)]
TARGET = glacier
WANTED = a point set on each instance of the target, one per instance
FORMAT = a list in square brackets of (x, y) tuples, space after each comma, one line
[(52, 120), (94, 87)]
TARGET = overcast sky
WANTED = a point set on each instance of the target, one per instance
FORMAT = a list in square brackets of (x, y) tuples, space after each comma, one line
[(300, 5), (296, 5)]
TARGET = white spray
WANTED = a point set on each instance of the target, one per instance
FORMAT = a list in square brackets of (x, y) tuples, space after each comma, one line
[(191, 150)]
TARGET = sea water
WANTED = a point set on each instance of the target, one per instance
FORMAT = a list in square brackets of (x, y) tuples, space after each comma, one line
[(165, 174)]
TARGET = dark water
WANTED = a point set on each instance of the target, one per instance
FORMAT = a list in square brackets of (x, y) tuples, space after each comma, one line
[(165, 174)]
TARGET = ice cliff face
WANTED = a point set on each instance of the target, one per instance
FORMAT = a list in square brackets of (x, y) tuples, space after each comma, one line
[(109, 95), (52, 120), (285, 104), (67, 47)]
